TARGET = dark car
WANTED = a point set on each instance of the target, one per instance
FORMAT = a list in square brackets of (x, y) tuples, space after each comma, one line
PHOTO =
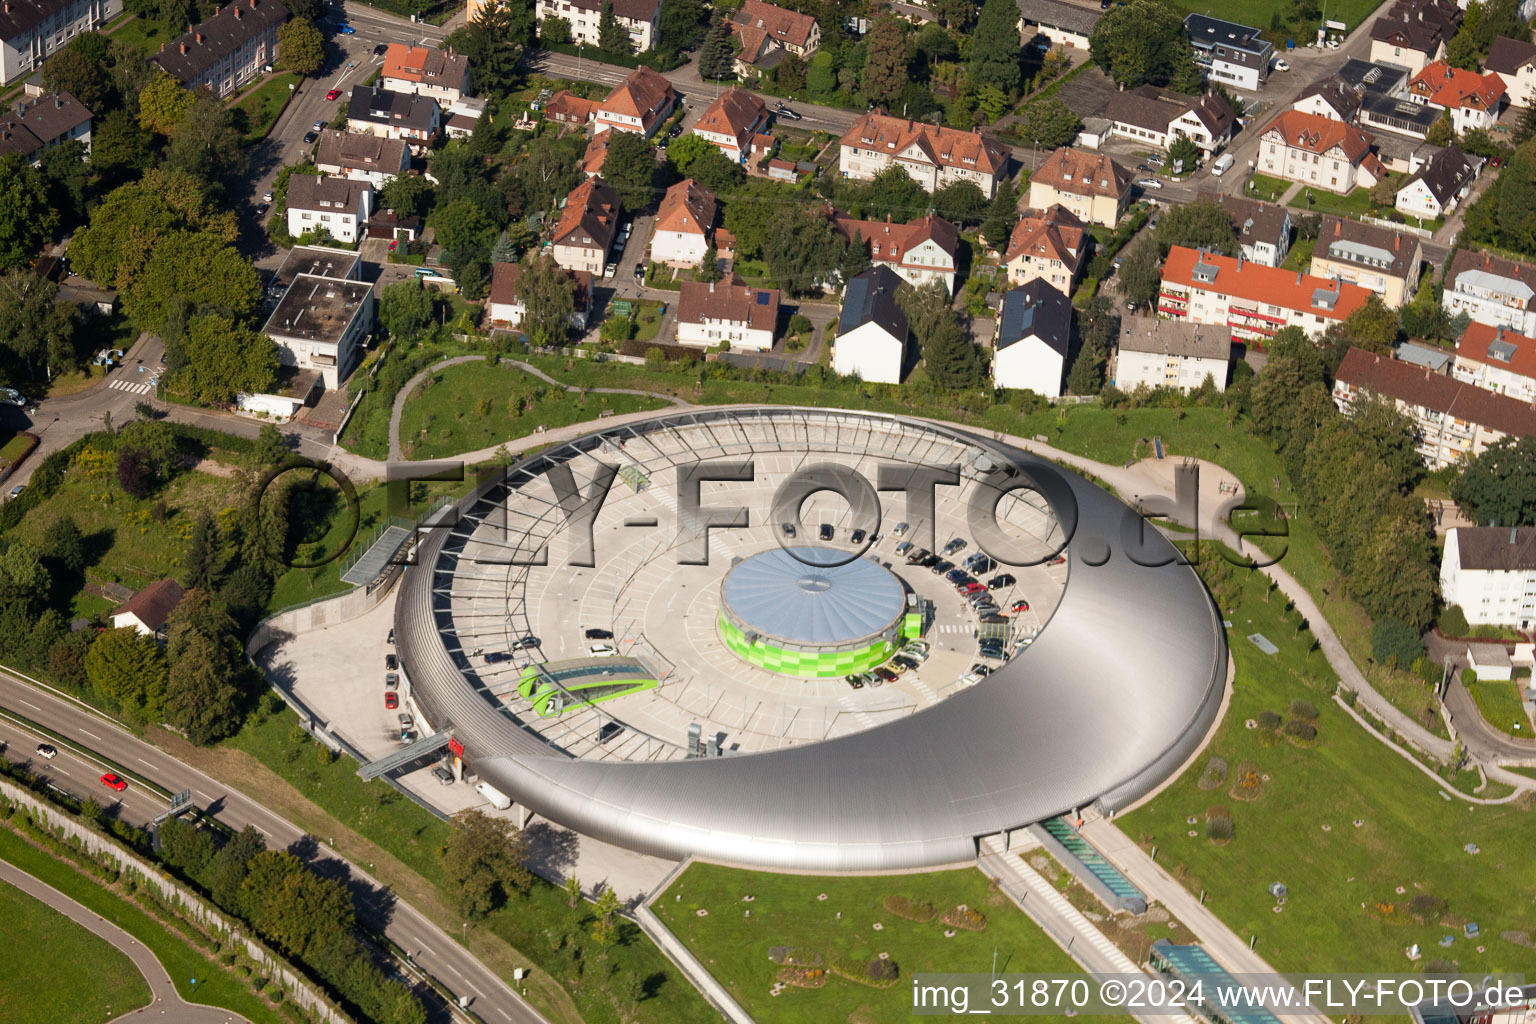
[(981, 670), (311, 137), (599, 634), (941, 567), (855, 682), (525, 642), (858, 536), (47, 751), (784, 111), (381, 49), (826, 531), (913, 557), (904, 663), (788, 528), (609, 731), (1004, 580), (443, 775), (391, 638), (497, 657), (261, 209), (957, 576), (391, 662), (929, 561)]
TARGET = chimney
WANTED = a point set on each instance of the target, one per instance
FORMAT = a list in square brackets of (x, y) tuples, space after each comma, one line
[(237, 14), (58, 104), (162, 47), (183, 47), (1298, 277), (198, 36), (1512, 534)]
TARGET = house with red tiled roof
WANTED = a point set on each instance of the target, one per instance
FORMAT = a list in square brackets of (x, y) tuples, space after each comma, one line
[(767, 33), (597, 153), (933, 155), (640, 18), (568, 108), (149, 609), (734, 314), (685, 223), (584, 231), (639, 103), (1452, 420), (923, 250), (1318, 152), (731, 122), (1091, 186), (1497, 358), (1047, 244), (1250, 300), (424, 71), (1474, 100), (506, 306)]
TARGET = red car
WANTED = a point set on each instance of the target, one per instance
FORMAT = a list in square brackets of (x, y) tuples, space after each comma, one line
[(334, 94), (391, 700), (113, 782), (970, 588), (886, 674), (1019, 606), (1058, 560)]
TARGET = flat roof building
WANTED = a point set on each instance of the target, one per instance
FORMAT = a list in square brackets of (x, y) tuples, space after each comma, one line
[(321, 323)]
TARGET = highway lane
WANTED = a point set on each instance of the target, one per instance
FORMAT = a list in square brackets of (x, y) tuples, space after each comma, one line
[(77, 773), (432, 949)]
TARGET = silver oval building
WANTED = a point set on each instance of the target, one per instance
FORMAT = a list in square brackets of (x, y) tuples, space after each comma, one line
[(1115, 693)]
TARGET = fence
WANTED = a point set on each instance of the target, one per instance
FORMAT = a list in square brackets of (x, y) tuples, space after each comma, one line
[(1396, 226), (183, 900)]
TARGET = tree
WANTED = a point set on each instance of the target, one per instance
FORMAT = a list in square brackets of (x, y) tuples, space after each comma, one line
[(1202, 224), (129, 669), (64, 545), (201, 695), (885, 65), (1184, 74), (1525, 128), (682, 25), (26, 219), (605, 925), (1373, 326), (612, 36), (295, 909), (572, 889), (855, 258), (31, 325), (483, 862), (131, 221), (630, 169), (717, 55), (120, 149), (82, 70), (802, 249), (789, 74), (1139, 42), (1517, 200), (1098, 327), (954, 13), (950, 356), (961, 202), (206, 143), (555, 31), (301, 46), (163, 103), (995, 47), (893, 193), (1394, 643), (1183, 155), (1453, 622), (1141, 274), (709, 265), (1440, 132), (1050, 123), (406, 194), (219, 358), (195, 268), (65, 176), (200, 561), (405, 310), (1002, 215), (549, 297), (1498, 486)]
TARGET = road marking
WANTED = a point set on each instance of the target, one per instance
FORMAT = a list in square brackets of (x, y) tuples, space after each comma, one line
[(504, 1013), (29, 704), (132, 389), (146, 764), (454, 969), (90, 734)]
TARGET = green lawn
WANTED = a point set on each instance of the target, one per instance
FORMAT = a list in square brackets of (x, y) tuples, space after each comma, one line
[(83, 979), (261, 105), (1262, 186), (145, 33), (1258, 14), (1300, 255), (1499, 703), (1358, 895), (785, 911), (1356, 203), (215, 986), (470, 406)]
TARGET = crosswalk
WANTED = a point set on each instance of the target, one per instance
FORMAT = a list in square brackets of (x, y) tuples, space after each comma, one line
[(132, 387), (848, 705), (955, 627)]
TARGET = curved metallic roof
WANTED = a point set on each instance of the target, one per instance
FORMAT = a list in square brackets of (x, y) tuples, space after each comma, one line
[(805, 597), (1116, 692)]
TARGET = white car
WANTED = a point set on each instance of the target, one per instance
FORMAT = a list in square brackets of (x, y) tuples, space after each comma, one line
[(10, 396), (46, 752), (603, 651), (1282, 65), (1149, 183)]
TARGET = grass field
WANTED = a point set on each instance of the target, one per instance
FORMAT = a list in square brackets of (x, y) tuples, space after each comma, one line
[(786, 910), (215, 987), (470, 406), (262, 104), (1259, 14), (145, 33), (1262, 186), (1356, 203), (83, 979), (1359, 895), (1499, 703)]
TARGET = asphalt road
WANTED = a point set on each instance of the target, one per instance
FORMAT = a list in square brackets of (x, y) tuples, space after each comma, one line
[(1479, 736), (429, 947)]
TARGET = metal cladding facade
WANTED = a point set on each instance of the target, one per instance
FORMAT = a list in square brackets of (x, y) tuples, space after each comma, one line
[(1116, 692)]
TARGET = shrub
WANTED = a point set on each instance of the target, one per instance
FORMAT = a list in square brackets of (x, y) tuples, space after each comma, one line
[(1297, 729), (1426, 908), (912, 910), (1214, 775), (1220, 829), (1394, 642), (1348, 696), (1268, 720), (1303, 709), (1453, 621), (799, 324)]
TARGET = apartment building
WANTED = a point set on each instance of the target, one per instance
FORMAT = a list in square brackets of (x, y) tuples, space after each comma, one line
[(1263, 229), (1251, 301), (1157, 117), (32, 29), (1090, 186), (640, 18), (325, 315), (394, 115), (1382, 260), (921, 251), (361, 157), (333, 207), (1490, 573), (584, 232), (228, 50), (1413, 33), (1232, 54), (43, 122), (1514, 61), (1051, 245), (424, 71), (1496, 359), (1318, 152), (1492, 290), (933, 155), (735, 314), (1158, 353)]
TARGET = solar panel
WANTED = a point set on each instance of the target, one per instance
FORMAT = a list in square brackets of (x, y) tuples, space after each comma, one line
[(762, 298)]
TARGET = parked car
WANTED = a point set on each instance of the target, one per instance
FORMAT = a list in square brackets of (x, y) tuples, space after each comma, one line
[(1282, 65), (524, 643), (391, 638), (903, 547), (788, 112), (825, 532), (16, 491), (391, 680), (261, 209), (970, 588), (904, 663), (311, 137), (46, 752), (10, 396), (914, 654), (381, 49), (954, 545), (788, 528), (114, 782), (391, 662), (599, 634), (913, 557), (609, 731), (497, 657), (603, 651), (334, 94), (346, 29), (928, 561), (1058, 560), (858, 536), (981, 670), (319, 125), (1000, 581), (391, 700), (1150, 183), (443, 775), (958, 576), (942, 567), (901, 530), (885, 675), (856, 682), (1019, 606)]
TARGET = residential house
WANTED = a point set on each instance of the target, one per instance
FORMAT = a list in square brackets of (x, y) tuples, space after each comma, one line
[(1331, 97), (1439, 186), (1491, 290), (639, 104), (462, 116), (734, 314), (394, 115), (596, 154), (227, 50), (1452, 420), (933, 155), (872, 330), (1380, 259), (1489, 572), (150, 609), (1252, 301), (1413, 33), (1057, 22), (32, 29), (38, 124), (584, 233), (1497, 359), (640, 18), (1155, 352), (731, 122), (1318, 152), (1157, 117), (923, 250), (1235, 55), (1034, 335), (332, 207), (325, 315), (362, 157), (1091, 186), (424, 71), (1473, 100), (1263, 229), (1051, 245), (685, 225), (507, 309), (568, 108), (1514, 61), (767, 33)]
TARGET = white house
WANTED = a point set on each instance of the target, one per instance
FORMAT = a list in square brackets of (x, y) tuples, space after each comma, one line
[(1161, 353), (1492, 290), (1473, 100), (1438, 187), (1263, 229), (1318, 152), (1034, 334), (367, 158), (1158, 118), (731, 123), (326, 314), (1057, 22), (925, 250), (1232, 54), (227, 50), (423, 71), (638, 104), (1514, 60), (1413, 33), (734, 314), (583, 234), (934, 156), (43, 122), (1497, 359), (685, 225), (1331, 97), (149, 609), (334, 207), (1250, 300), (507, 309), (1049, 244), (640, 18), (394, 115), (1490, 572), (872, 330)]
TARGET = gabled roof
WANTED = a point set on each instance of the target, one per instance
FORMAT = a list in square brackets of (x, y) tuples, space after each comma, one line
[(644, 94), (1499, 347), (398, 109), (34, 124), (891, 242), (1507, 56), (1337, 93), (625, 10), (312, 192), (154, 604), (590, 216), (1445, 86), (1083, 173), (870, 297), (688, 207), (1344, 240), (1035, 310), (1196, 269), (1444, 174), (1420, 25), (597, 154), (1154, 109), (1057, 14), (780, 25), (1053, 234), (1507, 277), (359, 149), (940, 146), (1496, 548), (424, 64), (504, 278), (1317, 134), (737, 302), (209, 42), (1414, 386), (1255, 221), (567, 106), (735, 112)]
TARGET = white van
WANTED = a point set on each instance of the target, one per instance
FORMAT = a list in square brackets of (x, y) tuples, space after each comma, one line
[(1222, 164), (497, 798)]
